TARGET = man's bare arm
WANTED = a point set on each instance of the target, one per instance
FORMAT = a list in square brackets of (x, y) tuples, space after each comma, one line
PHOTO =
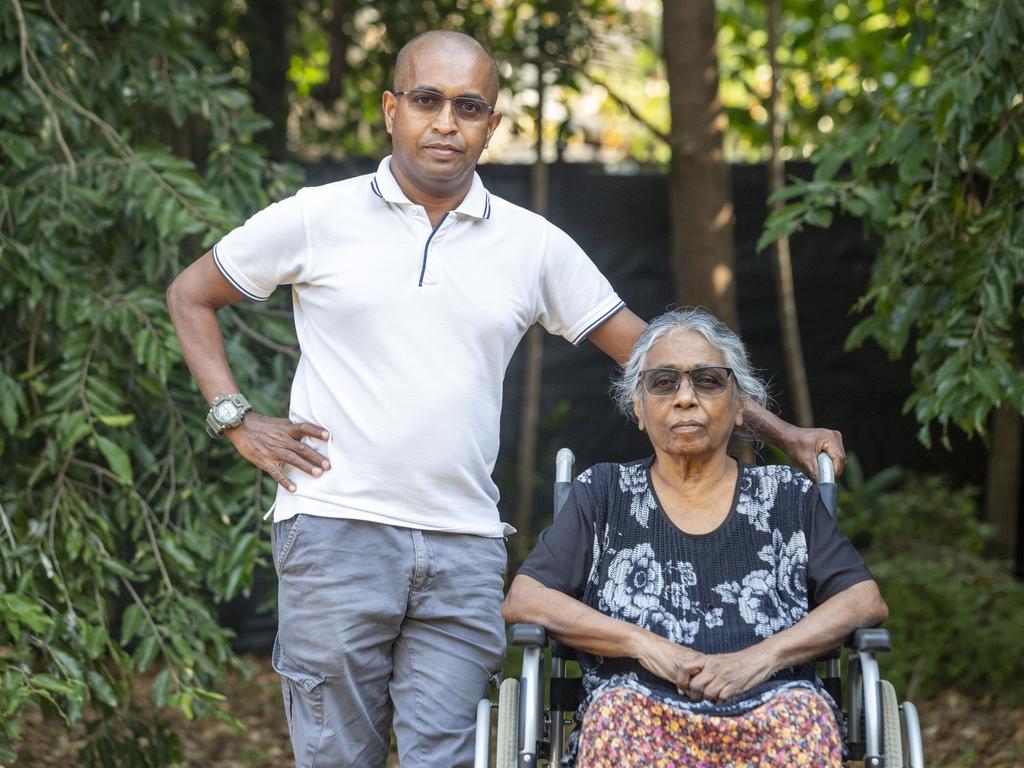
[(193, 300), (616, 337)]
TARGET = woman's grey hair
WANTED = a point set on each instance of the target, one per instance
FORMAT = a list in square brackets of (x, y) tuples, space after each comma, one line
[(626, 385)]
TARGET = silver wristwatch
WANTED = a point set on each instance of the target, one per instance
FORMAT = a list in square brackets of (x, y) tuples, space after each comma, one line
[(226, 411)]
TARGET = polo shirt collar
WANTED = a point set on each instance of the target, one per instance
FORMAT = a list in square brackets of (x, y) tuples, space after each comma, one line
[(476, 203)]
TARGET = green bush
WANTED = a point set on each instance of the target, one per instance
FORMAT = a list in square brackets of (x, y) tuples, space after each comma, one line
[(955, 615), (125, 150)]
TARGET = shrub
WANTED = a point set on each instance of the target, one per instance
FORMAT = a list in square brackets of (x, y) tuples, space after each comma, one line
[(955, 615)]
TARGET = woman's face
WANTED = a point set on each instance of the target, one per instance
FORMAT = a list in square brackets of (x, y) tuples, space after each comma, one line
[(688, 422)]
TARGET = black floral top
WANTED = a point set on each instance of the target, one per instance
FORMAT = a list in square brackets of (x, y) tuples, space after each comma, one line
[(776, 555)]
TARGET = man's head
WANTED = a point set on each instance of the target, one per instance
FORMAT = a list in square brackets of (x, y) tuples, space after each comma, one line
[(436, 142)]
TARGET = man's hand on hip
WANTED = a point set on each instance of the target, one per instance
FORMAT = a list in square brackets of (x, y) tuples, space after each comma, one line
[(271, 443)]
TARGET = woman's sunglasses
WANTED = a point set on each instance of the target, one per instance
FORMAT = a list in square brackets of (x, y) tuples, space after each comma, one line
[(705, 380)]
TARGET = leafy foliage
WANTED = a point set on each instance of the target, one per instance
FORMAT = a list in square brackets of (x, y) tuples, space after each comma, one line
[(936, 172), (125, 150), (954, 614), (343, 117), (832, 54)]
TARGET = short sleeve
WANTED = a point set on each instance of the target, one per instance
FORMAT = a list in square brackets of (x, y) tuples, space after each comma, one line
[(562, 556), (268, 250), (833, 564), (575, 297)]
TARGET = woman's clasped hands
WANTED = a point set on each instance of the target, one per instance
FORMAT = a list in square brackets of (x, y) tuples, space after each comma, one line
[(715, 677)]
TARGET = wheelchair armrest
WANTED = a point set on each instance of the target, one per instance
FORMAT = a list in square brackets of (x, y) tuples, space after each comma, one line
[(873, 639), (527, 635)]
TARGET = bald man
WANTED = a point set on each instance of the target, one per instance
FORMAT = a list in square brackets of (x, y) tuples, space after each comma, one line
[(411, 289)]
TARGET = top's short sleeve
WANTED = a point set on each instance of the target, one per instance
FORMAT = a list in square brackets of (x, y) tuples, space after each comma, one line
[(575, 297), (833, 564), (563, 554), (268, 250)]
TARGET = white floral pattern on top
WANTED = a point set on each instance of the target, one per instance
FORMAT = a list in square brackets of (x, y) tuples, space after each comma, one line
[(634, 584), (759, 489), (758, 601), (633, 480), (790, 561)]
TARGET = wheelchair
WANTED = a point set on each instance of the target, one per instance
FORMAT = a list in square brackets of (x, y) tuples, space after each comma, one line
[(532, 727)]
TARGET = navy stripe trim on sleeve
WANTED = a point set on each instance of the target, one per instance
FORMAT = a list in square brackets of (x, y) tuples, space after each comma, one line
[(235, 283), (586, 331), (375, 189)]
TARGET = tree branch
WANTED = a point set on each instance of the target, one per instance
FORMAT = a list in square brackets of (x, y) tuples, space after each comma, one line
[(629, 108), (24, 50), (252, 333)]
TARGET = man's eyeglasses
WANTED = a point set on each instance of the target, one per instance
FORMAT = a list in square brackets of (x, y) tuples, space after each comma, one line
[(465, 108), (705, 380)]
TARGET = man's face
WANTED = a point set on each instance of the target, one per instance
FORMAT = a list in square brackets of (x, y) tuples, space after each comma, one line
[(436, 152)]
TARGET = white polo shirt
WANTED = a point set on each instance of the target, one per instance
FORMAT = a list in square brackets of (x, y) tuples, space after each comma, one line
[(405, 332)]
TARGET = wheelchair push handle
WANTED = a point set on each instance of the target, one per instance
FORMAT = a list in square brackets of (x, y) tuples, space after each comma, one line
[(563, 465), (563, 477), (827, 483)]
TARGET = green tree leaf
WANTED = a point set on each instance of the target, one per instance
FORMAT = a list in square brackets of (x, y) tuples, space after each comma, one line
[(117, 459)]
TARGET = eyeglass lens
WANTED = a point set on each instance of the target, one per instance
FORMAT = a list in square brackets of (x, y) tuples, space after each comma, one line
[(465, 107), (707, 380)]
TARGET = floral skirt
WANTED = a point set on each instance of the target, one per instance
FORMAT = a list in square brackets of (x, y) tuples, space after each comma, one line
[(623, 728)]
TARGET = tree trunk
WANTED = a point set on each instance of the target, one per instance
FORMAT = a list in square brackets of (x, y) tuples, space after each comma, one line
[(337, 40), (530, 413), (700, 204), (265, 29), (789, 324), (1002, 483)]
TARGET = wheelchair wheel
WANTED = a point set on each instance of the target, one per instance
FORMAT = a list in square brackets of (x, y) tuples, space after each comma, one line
[(507, 739), (892, 744)]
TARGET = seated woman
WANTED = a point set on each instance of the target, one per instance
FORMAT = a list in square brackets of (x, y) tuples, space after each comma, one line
[(698, 589)]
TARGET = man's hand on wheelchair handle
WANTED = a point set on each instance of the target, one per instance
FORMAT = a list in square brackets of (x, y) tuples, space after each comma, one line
[(803, 445)]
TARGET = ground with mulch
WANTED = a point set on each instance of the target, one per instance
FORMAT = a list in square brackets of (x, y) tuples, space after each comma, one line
[(959, 731)]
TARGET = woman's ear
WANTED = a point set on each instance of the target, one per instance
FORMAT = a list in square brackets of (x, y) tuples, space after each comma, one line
[(739, 412), (638, 413)]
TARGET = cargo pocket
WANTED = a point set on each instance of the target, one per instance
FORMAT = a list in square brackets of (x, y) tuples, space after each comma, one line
[(302, 689)]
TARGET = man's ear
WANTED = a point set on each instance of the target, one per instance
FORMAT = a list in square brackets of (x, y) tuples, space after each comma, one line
[(389, 103), (492, 125)]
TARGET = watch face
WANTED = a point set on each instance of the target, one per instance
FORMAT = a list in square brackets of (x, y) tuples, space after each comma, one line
[(225, 412)]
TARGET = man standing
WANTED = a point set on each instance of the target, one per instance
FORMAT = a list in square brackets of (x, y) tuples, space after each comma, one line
[(412, 287)]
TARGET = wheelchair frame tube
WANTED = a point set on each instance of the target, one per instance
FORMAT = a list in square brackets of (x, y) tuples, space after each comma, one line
[(854, 702), (557, 720), (483, 734), (870, 679), (912, 735), (531, 705)]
